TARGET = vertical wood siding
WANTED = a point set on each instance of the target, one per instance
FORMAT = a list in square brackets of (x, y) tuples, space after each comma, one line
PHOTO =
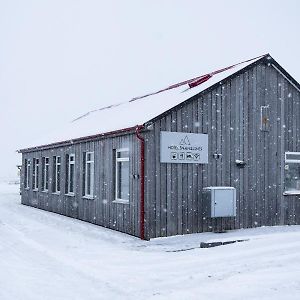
[(100, 210), (230, 114)]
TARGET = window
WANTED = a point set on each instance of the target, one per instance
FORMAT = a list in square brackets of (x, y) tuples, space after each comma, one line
[(27, 173), (56, 173), (45, 174), (70, 173), (89, 174), (122, 174), (35, 174), (292, 173)]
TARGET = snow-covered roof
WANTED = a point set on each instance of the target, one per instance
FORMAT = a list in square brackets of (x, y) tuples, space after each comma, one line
[(129, 114)]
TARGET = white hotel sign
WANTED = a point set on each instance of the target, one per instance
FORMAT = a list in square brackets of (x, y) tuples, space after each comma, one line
[(179, 147)]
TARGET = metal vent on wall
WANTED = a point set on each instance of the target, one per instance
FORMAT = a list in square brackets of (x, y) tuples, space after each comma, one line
[(265, 118)]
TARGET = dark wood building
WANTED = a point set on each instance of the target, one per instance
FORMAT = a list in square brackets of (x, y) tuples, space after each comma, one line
[(146, 174)]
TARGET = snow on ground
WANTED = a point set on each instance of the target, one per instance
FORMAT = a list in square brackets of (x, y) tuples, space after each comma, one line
[(48, 256)]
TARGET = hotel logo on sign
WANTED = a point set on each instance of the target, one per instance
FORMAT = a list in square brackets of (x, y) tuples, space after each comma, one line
[(178, 147)]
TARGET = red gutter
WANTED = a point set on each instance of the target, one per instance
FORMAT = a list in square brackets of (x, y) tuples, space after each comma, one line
[(142, 180)]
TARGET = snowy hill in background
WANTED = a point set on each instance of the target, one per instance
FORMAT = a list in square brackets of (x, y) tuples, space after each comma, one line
[(48, 256)]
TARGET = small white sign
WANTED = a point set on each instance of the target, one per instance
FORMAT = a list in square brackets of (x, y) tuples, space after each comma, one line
[(179, 147)]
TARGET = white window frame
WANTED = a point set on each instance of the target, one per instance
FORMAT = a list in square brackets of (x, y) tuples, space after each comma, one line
[(27, 174), (45, 165), (57, 182), (71, 162), (291, 161), (35, 174), (117, 161), (87, 162)]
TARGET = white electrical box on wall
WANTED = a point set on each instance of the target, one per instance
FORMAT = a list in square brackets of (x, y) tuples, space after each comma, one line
[(219, 201)]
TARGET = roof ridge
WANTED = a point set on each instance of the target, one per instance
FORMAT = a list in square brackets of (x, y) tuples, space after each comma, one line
[(193, 82)]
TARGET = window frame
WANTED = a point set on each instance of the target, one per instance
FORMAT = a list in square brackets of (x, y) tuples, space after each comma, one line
[(56, 182), (116, 174), (68, 175), (90, 162), (27, 165), (35, 173), (45, 173), (290, 161)]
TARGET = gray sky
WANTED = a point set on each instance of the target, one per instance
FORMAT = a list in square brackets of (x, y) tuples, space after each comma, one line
[(61, 58)]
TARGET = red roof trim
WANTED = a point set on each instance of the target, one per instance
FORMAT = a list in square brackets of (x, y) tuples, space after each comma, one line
[(78, 140)]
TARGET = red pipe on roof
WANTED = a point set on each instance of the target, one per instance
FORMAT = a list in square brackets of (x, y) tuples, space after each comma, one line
[(142, 180)]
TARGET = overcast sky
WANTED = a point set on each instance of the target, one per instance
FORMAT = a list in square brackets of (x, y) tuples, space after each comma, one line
[(60, 58)]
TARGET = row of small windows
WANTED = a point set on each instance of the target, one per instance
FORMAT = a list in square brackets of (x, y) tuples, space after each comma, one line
[(121, 174), (88, 167)]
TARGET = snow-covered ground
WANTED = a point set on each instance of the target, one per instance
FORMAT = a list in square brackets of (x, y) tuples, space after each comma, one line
[(48, 256)]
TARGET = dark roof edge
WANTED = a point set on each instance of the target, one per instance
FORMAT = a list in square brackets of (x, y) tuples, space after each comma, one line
[(285, 73), (266, 59), (78, 140)]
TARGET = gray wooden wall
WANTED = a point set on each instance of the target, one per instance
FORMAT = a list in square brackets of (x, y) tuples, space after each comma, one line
[(230, 114), (101, 210)]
